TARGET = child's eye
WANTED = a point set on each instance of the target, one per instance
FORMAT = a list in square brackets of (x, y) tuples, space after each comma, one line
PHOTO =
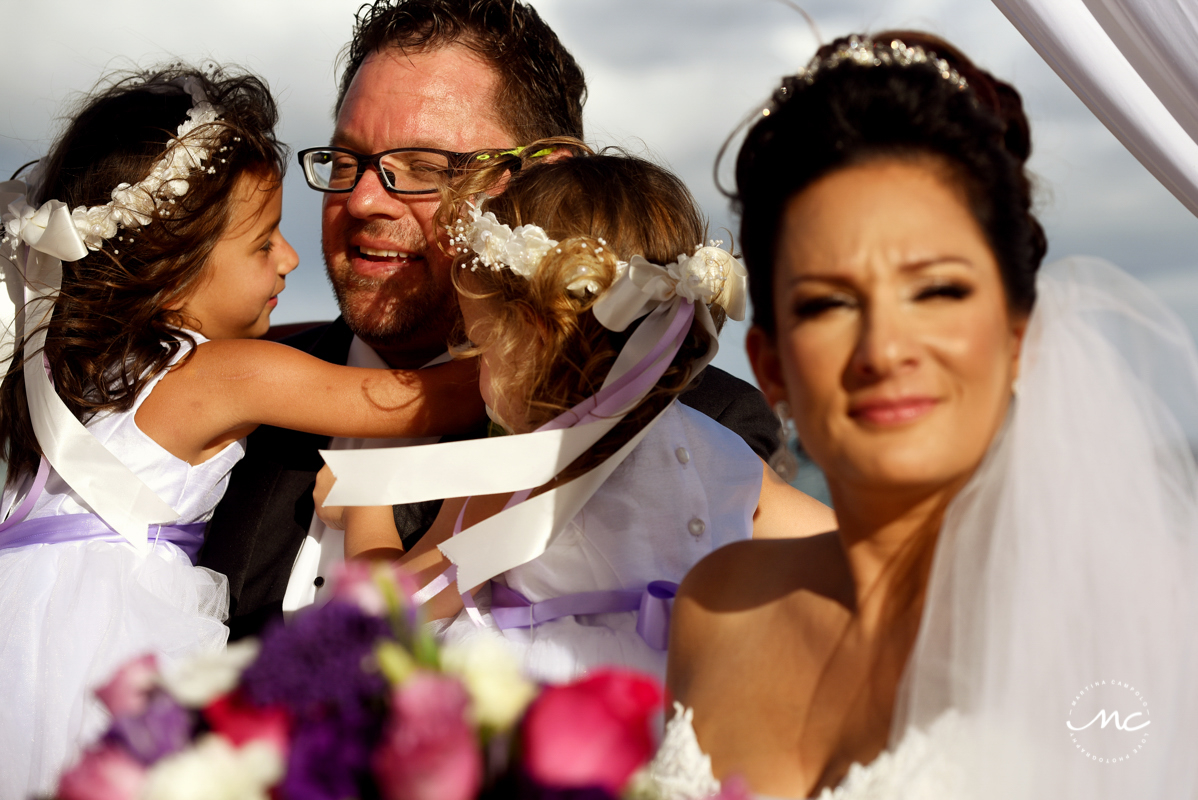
[(267, 246)]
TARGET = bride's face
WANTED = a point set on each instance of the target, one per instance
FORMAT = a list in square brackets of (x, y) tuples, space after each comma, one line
[(894, 343)]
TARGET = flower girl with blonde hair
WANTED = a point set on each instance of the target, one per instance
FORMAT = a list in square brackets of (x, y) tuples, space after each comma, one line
[(588, 296)]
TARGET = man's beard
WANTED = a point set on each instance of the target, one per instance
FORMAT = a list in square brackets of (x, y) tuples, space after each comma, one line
[(387, 313)]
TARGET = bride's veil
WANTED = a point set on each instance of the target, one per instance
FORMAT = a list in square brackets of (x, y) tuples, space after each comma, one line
[(1065, 579)]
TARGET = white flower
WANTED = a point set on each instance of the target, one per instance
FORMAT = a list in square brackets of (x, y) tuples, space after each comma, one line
[(700, 277), (492, 677), (489, 238), (215, 770), (528, 245), (206, 677), (497, 245), (20, 214), (583, 281), (94, 224)]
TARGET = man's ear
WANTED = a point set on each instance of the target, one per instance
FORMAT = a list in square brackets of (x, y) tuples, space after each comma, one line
[(766, 363)]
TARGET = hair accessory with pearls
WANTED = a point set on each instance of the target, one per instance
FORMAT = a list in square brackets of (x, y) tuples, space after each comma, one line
[(132, 206), (709, 275)]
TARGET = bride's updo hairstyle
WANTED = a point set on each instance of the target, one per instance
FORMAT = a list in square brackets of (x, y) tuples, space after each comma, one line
[(848, 114), (601, 208), (114, 327)]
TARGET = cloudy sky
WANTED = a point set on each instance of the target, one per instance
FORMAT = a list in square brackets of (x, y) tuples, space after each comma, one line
[(669, 79)]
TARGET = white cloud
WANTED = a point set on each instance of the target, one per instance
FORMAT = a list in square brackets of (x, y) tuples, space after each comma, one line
[(667, 77)]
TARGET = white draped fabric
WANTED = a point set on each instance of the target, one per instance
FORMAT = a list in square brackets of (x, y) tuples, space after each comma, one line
[(1133, 63)]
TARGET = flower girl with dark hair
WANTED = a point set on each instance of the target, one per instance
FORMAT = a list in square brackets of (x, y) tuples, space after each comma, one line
[(141, 256)]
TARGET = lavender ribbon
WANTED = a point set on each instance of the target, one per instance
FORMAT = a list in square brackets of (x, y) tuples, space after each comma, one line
[(90, 528), (653, 604)]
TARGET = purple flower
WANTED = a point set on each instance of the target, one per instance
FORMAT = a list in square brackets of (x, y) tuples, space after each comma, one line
[(162, 728), (313, 667), (329, 760)]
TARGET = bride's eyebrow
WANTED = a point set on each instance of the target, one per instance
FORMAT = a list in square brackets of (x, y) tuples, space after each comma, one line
[(925, 263)]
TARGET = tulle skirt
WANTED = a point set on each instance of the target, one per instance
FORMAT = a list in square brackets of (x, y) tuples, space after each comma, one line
[(70, 614)]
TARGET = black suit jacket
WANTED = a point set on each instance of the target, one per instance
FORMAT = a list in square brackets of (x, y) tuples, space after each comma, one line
[(259, 525)]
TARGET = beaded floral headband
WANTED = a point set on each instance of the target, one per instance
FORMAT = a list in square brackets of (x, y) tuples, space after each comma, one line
[(709, 275), (132, 205), (865, 52)]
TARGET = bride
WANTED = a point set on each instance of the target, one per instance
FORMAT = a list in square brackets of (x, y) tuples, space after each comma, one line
[(1008, 608)]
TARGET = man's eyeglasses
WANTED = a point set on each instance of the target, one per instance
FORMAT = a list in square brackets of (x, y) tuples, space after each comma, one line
[(405, 170)]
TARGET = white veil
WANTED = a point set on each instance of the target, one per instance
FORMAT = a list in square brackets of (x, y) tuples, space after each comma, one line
[(1070, 560)]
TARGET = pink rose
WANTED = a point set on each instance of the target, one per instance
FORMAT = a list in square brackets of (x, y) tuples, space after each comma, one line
[(104, 773), (128, 693), (367, 585), (240, 721), (594, 732), (429, 751)]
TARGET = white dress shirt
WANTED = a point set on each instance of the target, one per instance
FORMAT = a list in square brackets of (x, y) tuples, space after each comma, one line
[(324, 547)]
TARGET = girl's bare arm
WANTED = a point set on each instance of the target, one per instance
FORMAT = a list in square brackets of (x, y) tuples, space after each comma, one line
[(229, 387)]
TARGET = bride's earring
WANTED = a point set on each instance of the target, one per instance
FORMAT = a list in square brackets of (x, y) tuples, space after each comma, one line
[(783, 460)]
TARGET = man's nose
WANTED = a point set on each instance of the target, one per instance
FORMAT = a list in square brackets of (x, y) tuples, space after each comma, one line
[(370, 198)]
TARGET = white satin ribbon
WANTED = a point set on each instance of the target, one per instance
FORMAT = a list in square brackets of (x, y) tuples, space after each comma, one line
[(711, 275), (114, 492), (394, 475), (521, 533)]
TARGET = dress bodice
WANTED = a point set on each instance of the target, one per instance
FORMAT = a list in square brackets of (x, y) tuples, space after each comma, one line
[(192, 490), (689, 487), (921, 767)]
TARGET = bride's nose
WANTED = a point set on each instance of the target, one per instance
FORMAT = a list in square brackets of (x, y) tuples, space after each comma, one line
[(885, 340)]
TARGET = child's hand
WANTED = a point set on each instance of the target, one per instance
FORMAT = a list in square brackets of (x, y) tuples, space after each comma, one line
[(331, 516)]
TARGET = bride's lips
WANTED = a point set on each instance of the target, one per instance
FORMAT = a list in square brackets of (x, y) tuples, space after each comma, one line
[(896, 411)]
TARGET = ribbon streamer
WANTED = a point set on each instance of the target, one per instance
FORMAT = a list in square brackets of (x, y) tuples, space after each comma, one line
[(113, 491)]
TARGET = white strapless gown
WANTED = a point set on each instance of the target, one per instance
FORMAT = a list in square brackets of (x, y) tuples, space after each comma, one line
[(922, 767)]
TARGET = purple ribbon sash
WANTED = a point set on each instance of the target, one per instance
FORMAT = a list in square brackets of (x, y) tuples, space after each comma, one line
[(510, 609), (90, 528)]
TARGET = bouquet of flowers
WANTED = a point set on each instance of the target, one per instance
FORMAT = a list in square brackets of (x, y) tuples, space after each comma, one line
[(354, 699)]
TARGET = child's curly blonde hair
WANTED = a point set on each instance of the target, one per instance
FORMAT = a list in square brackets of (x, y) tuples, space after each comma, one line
[(601, 208)]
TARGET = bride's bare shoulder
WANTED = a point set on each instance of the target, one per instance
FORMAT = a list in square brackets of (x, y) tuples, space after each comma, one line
[(758, 572), (753, 600)]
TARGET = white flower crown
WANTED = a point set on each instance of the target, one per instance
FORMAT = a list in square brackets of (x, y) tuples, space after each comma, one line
[(133, 205), (709, 275)]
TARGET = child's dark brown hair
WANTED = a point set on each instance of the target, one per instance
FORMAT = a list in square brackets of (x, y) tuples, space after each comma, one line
[(113, 326)]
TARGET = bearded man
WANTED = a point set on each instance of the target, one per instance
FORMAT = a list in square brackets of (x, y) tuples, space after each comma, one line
[(448, 78)]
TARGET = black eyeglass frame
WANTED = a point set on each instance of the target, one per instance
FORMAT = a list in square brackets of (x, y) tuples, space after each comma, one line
[(457, 161)]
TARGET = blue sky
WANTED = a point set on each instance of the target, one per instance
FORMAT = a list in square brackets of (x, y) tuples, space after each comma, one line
[(669, 79)]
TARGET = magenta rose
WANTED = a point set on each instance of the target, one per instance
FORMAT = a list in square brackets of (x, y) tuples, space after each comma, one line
[(593, 732), (128, 693), (104, 773), (429, 750)]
